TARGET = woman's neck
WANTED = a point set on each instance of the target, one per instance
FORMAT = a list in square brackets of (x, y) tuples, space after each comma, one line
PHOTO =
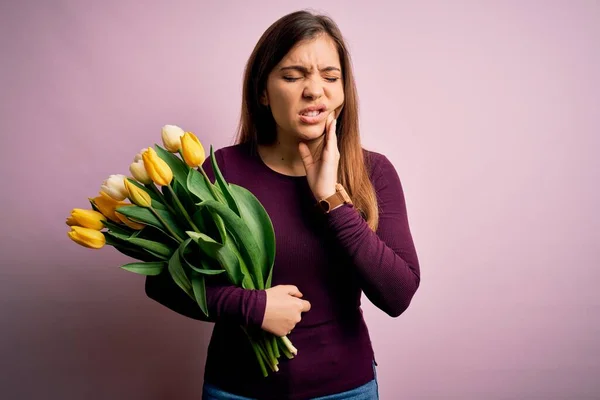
[(283, 155)]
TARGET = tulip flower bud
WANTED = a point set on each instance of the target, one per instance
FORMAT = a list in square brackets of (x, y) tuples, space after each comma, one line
[(71, 221), (171, 137), (138, 156), (138, 196), (114, 187), (192, 150), (138, 170), (132, 224), (87, 237), (107, 205), (158, 170), (86, 218)]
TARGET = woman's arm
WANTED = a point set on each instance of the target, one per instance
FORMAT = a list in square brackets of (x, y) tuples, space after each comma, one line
[(386, 261), (225, 302)]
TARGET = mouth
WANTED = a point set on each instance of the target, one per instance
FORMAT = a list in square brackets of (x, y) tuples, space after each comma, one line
[(313, 114)]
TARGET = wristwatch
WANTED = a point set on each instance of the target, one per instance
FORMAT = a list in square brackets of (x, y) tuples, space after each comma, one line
[(339, 197)]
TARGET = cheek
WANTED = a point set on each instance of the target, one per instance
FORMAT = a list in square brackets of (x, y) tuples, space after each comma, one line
[(282, 106)]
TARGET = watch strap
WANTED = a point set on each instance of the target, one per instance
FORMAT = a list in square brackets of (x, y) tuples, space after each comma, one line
[(339, 197)]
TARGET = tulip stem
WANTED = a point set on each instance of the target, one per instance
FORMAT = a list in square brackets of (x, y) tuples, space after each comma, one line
[(210, 185), (183, 211), (167, 227), (290, 347), (152, 187)]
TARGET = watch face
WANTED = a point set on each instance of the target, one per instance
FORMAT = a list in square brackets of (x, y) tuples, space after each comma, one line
[(324, 205)]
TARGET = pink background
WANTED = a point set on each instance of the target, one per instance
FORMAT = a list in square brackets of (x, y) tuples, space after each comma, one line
[(488, 109)]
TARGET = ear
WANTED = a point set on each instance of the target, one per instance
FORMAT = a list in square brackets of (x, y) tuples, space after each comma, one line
[(264, 99)]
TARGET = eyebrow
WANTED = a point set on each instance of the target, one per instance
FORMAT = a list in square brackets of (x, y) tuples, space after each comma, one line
[(302, 68)]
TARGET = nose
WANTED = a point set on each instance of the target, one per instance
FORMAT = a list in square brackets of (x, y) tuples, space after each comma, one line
[(313, 89)]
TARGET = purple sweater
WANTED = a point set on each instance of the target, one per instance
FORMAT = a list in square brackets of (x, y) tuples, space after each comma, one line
[(331, 259)]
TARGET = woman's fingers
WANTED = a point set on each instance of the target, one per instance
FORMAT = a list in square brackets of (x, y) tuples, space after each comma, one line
[(305, 306), (332, 137), (305, 154)]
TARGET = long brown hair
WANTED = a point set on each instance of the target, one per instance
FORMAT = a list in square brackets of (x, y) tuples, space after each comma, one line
[(257, 125)]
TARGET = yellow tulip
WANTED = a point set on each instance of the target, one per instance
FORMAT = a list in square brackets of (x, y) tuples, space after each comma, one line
[(107, 205), (71, 221), (157, 168), (87, 237), (192, 150), (86, 218), (137, 196), (171, 137), (133, 225)]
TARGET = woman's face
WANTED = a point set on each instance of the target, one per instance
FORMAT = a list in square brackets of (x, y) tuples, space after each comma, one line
[(305, 88)]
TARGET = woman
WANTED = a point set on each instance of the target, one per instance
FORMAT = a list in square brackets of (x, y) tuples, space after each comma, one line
[(298, 143)]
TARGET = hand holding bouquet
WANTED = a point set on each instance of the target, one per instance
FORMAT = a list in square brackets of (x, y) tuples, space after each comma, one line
[(193, 228)]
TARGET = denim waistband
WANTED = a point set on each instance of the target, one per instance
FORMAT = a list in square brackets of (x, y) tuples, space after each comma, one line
[(368, 391)]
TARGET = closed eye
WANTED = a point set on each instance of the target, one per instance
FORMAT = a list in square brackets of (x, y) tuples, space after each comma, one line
[(291, 79)]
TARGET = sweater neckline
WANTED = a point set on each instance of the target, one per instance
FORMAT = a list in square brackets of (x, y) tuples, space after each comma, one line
[(293, 178)]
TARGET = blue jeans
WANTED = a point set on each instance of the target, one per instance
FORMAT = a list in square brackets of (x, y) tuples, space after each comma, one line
[(368, 391)]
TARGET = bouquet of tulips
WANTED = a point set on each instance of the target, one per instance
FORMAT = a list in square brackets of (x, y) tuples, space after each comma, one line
[(193, 228)]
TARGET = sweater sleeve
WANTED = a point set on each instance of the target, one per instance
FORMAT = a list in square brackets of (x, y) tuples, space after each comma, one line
[(386, 260), (226, 303)]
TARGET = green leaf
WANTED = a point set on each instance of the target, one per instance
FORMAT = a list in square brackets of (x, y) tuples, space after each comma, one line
[(205, 271), (168, 196), (206, 268), (158, 235), (247, 282), (177, 272), (249, 249), (269, 279), (94, 206), (198, 219), (199, 186), (261, 228), (220, 227), (157, 248), (223, 254), (145, 216), (207, 244), (122, 229), (134, 252), (178, 166), (222, 184), (117, 235), (145, 268), (184, 197), (152, 190), (199, 290)]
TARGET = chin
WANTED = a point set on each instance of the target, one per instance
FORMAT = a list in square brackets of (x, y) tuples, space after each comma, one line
[(308, 133)]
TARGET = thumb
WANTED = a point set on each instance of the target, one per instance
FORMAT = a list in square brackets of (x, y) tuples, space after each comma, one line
[(307, 158)]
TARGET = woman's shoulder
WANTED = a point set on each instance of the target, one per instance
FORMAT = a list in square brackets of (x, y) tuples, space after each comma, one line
[(233, 150), (377, 163), (234, 153), (237, 160)]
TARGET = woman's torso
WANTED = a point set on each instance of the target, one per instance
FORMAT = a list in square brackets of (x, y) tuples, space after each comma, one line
[(334, 347)]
